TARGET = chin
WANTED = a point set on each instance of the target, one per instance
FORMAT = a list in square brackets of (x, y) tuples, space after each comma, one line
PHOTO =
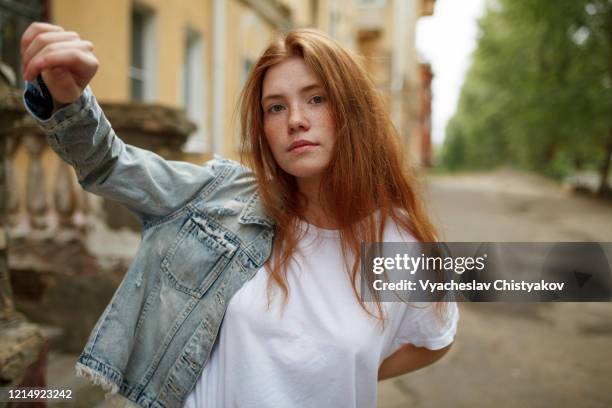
[(306, 170)]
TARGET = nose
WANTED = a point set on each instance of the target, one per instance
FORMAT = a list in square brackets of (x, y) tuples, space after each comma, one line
[(298, 120)]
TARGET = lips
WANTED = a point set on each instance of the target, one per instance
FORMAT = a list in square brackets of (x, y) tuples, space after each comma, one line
[(300, 143)]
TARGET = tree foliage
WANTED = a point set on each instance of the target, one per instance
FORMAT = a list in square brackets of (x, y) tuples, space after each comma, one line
[(539, 91)]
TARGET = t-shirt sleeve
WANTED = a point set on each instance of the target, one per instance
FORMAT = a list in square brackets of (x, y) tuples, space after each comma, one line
[(421, 325)]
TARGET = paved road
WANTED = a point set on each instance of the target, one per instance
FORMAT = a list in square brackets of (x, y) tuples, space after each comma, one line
[(516, 355)]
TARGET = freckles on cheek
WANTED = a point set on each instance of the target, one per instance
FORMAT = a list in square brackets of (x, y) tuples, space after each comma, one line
[(329, 123), (271, 138)]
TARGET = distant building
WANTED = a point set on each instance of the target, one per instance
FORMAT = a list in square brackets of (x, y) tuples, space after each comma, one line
[(421, 140), (386, 38)]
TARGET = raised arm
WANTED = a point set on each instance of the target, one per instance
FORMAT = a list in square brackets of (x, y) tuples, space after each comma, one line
[(58, 66)]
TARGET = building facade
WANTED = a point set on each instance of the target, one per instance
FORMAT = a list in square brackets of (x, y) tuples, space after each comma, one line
[(195, 54), (385, 32)]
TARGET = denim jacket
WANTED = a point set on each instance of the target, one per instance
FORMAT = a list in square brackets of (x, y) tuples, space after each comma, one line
[(205, 233)]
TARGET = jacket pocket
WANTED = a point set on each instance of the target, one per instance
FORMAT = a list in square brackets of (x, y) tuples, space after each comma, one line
[(198, 256)]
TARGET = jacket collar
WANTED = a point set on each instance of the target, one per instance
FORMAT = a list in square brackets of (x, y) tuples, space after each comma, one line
[(254, 213)]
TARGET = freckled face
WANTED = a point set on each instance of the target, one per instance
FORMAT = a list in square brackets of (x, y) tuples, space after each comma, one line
[(298, 123)]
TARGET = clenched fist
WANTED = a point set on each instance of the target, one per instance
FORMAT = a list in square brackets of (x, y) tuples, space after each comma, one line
[(66, 62)]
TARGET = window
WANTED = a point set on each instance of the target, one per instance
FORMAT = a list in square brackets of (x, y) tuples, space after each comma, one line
[(15, 17), (143, 49), (194, 91)]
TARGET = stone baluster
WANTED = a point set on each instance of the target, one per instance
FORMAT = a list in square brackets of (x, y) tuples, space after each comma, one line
[(36, 185), (7, 307), (12, 185), (65, 195)]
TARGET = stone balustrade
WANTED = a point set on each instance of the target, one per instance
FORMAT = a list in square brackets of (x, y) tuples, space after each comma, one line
[(69, 249), (23, 345), (43, 198)]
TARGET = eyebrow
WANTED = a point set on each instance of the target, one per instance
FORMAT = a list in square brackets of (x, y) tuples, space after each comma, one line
[(305, 89)]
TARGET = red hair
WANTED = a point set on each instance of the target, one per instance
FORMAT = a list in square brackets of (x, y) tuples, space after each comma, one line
[(366, 175)]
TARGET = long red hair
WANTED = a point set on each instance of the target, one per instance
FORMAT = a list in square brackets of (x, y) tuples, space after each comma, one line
[(366, 175)]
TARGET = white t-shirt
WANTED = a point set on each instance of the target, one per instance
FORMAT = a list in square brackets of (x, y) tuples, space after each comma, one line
[(323, 350)]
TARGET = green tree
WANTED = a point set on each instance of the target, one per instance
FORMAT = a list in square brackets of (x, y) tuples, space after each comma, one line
[(538, 93)]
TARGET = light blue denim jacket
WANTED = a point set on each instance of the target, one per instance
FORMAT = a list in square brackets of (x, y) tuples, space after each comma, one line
[(204, 234)]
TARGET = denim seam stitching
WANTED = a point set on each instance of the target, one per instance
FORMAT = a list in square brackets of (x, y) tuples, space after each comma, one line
[(205, 191)]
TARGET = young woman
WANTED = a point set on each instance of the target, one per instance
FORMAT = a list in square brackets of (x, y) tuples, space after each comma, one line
[(245, 290)]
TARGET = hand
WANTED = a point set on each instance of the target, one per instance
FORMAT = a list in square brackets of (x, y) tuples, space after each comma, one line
[(66, 62)]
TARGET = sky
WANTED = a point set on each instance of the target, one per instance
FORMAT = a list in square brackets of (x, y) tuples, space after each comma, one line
[(446, 40)]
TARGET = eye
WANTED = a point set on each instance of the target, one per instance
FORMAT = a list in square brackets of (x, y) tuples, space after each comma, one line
[(317, 99), (275, 108)]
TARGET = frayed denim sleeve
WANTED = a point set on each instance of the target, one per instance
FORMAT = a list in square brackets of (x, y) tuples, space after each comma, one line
[(147, 184)]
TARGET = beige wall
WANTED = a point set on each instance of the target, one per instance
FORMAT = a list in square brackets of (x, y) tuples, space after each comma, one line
[(301, 12), (107, 25), (108, 29), (387, 39), (247, 36)]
